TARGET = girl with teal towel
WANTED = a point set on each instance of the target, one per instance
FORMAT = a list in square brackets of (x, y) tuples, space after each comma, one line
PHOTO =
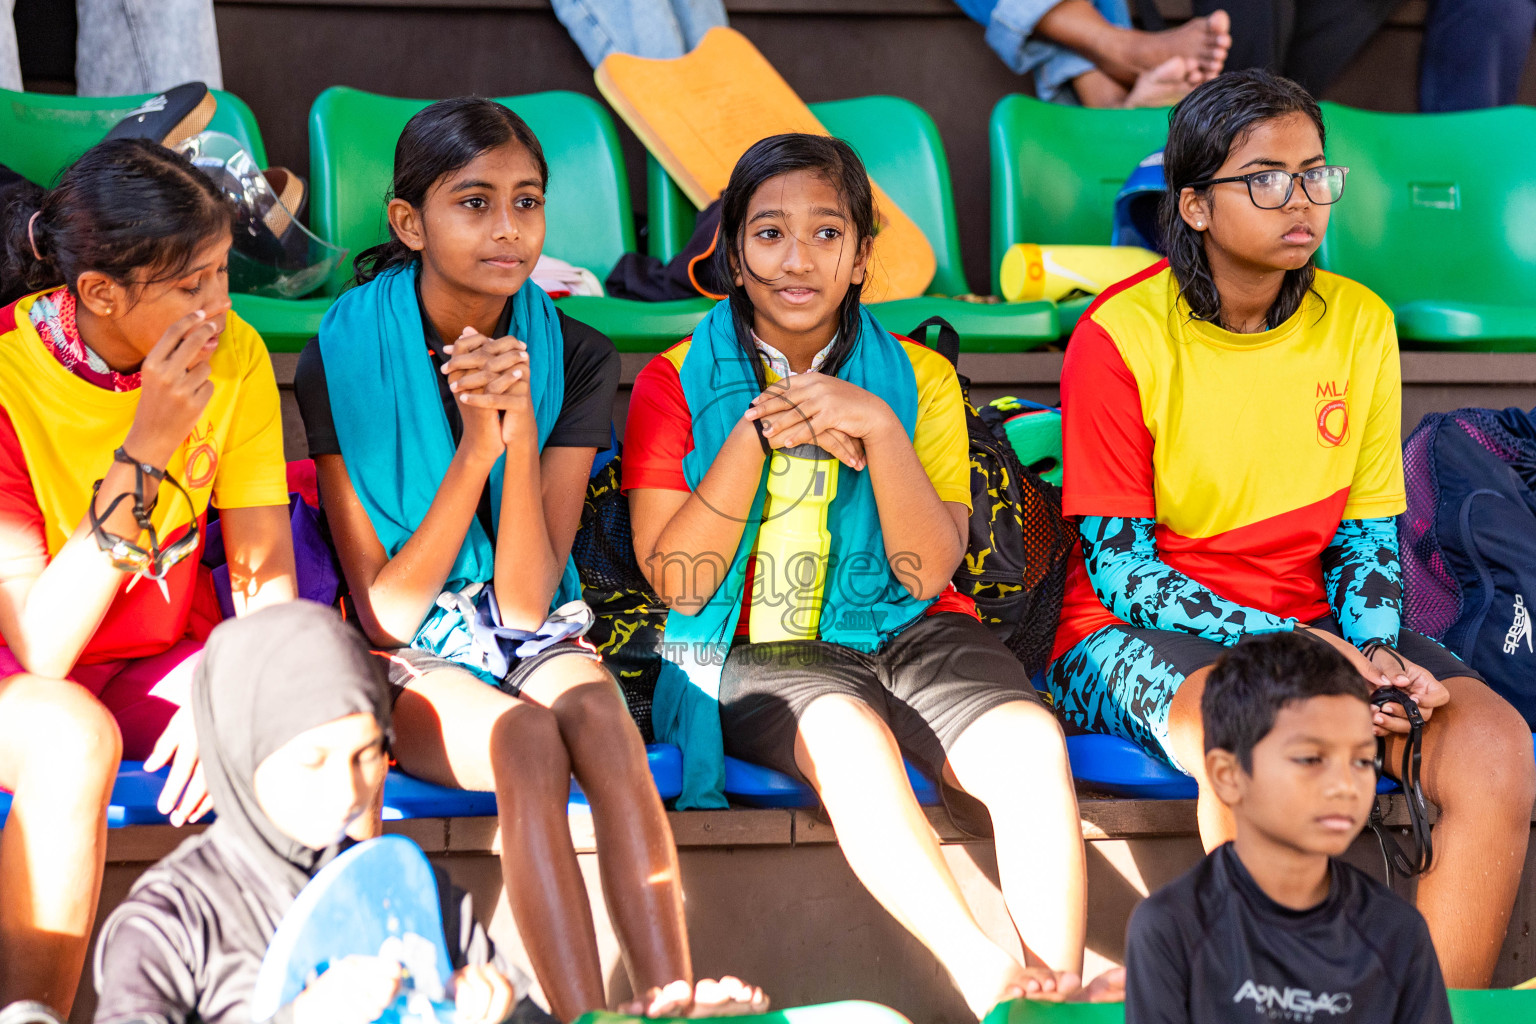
[(453, 414), (897, 661)]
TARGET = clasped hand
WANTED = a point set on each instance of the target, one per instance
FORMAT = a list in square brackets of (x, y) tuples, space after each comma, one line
[(815, 408), (489, 378)]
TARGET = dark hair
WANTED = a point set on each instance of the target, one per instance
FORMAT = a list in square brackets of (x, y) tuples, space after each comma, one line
[(438, 141), (1251, 683), (834, 161), (127, 206), (1202, 130)]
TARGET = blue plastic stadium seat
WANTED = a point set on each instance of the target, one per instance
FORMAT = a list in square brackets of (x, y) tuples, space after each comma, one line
[(1120, 767), (133, 797), (407, 797), (756, 786)]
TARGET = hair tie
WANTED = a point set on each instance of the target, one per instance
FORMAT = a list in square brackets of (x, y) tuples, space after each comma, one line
[(31, 238)]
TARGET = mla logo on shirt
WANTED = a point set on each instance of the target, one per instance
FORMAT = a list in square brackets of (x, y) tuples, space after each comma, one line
[(1332, 414), (1293, 1004), (202, 457)]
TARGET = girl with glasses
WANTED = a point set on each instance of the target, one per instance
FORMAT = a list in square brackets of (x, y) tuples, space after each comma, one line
[(130, 400), (1232, 447)]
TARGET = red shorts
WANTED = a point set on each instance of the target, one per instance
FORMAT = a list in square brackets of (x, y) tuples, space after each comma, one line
[(141, 693)]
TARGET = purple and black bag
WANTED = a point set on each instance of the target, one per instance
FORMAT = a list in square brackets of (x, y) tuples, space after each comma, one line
[(1468, 543)]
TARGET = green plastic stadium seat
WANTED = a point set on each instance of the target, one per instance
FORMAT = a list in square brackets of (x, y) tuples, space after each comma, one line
[(588, 216), (1493, 1006), (1055, 173), (42, 133), (849, 1012), (1028, 1011), (1436, 219), (901, 148), (1468, 1006)]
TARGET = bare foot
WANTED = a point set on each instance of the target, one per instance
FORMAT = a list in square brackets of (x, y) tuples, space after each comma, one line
[(728, 997), (1164, 85), (1002, 980), (1203, 41), (1108, 987)]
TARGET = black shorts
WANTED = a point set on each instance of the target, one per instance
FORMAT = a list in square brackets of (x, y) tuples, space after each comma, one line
[(408, 664), (928, 684)]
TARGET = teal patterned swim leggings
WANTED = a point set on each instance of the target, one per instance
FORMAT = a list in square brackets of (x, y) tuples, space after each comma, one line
[(1121, 680)]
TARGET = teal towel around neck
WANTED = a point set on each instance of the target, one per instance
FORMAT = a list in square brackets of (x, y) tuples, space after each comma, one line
[(390, 423), (863, 605)]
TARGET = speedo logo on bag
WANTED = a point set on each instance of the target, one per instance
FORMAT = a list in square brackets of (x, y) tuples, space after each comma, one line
[(1294, 1004), (1520, 629)]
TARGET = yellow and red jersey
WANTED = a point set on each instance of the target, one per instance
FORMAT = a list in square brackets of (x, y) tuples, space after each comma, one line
[(57, 435), (1246, 449), (659, 434)]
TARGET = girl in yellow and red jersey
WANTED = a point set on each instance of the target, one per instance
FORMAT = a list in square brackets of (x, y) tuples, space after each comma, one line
[(1231, 442), (130, 398)]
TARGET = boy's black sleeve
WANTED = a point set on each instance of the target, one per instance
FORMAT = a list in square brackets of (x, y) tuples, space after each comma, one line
[(1423, 999), (1156, 968)]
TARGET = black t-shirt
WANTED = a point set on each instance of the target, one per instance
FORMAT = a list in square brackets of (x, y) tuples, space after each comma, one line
[(591, 382), (1211, 948)]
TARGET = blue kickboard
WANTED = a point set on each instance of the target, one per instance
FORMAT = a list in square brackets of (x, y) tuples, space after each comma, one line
[(407, 797), (757, 786), (133, 797), (377, 899)]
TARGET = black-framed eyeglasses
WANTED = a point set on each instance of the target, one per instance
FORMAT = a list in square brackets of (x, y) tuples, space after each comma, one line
[(1270, 190)]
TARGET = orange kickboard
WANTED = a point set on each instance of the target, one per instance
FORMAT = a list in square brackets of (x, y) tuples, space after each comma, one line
[(698, 114)]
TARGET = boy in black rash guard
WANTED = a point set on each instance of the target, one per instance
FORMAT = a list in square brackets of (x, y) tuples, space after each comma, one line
[(1272, 927)]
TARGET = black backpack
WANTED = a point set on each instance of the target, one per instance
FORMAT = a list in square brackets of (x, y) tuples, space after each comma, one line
[(1468, 543), (1015, 565)]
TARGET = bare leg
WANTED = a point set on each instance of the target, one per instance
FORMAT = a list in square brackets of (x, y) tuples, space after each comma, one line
[(454, 730), (852, 760), (1478, 770), (1186, 734), (638, 860), (1096, 89), (1124, 53), (1014, 760), (59, 751)]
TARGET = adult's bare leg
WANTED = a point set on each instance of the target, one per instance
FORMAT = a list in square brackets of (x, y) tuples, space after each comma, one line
[(1014, 760), (1478, 770), (59, 751), (1186, 734), (853, 762), (454, 730), (638, 857), (1124, 53)]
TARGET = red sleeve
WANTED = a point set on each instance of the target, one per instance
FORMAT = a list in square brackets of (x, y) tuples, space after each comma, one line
[(21, 519), (659, 431), (1106, 449)]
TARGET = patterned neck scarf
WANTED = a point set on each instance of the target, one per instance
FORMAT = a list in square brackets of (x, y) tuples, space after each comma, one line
[(53, 315)]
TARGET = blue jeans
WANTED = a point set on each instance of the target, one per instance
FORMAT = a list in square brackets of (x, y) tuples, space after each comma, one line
[(1009, 28), (646, 28), (1474, 51), (130, 46)]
